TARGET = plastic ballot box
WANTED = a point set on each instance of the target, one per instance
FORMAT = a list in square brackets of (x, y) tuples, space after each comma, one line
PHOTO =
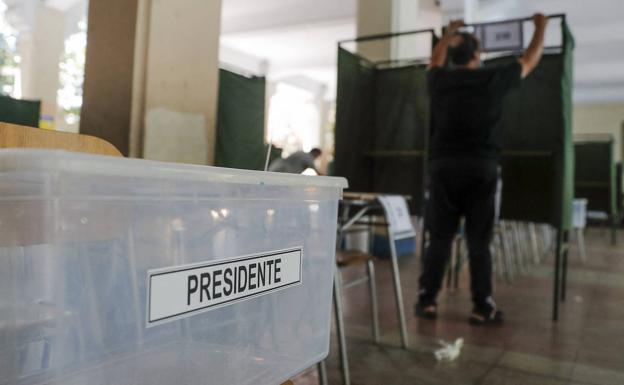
[(119, 271)]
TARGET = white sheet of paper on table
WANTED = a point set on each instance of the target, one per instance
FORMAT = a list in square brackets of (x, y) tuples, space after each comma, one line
[(398, 216)]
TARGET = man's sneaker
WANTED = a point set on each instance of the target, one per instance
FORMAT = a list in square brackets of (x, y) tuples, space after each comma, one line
[(486, 315), (426, 310)]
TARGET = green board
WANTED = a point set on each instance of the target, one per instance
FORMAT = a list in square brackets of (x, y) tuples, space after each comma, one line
[(22, 112), (240, 121)]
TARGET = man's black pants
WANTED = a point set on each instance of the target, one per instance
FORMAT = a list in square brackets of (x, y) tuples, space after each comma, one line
[(460, 187)]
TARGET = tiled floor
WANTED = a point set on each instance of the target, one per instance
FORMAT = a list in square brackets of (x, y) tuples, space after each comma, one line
[(585, 347)]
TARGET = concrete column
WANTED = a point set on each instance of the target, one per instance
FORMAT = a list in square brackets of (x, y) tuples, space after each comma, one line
[(374, 17), (181, 87), (107, 93), (410, 15), (41, 48), (384, 16), (152, 76)]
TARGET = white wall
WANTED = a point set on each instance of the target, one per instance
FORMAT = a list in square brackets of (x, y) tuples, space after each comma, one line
[(599, 119)]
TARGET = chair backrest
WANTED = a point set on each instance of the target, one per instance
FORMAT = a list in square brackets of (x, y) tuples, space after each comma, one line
[(12, 136)]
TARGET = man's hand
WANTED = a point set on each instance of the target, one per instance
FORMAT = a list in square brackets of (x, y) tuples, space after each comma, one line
[(540, 20), (454, 25), (534, 51), (439, 51)]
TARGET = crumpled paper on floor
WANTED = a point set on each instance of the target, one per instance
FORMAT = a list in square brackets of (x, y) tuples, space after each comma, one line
[(449, 351)]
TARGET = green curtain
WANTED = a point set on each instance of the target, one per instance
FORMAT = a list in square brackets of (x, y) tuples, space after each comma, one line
[(401, 111), (23, 112), (595, 175), (240, 121), (538, 152), (382, 121), (382, 116), (354, 121)]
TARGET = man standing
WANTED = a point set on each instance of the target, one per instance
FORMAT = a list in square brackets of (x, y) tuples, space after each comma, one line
[(466, 107)]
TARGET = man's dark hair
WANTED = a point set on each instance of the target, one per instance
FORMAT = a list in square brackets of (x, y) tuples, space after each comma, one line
[(463, 53), (316, 152)]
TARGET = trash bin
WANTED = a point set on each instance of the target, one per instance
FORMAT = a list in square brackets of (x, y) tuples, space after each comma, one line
[(120, 271)]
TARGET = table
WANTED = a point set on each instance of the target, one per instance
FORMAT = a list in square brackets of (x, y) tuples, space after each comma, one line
[(354, 206)]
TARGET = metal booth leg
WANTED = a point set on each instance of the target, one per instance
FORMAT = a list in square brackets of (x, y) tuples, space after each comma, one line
[(564, 270), (580, 239), (557, 280), (534, 245), (398, 292), (372, 285), (322, 372), (340, 329)]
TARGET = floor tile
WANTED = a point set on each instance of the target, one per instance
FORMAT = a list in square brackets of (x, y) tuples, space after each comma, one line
[(502, 376), (537, 364), (596, 375)]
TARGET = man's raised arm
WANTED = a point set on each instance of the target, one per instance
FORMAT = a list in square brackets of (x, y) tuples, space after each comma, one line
[(532, 55), (438, 58)]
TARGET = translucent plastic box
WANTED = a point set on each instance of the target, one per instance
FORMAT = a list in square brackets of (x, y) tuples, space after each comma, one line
[(103, 261)]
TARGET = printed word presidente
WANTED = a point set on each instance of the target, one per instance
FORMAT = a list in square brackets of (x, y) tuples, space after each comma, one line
[(182, 291), (228, 280)]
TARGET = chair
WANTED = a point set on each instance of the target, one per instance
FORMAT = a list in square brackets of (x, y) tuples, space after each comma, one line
[(14, 136)]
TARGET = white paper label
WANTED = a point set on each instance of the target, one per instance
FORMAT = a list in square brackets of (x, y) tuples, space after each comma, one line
[(398, 216), (182, 291), (502, 36)]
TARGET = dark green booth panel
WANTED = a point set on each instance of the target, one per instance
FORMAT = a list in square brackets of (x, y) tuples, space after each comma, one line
[(22, 112), (595, 176), (240, 121), (536, 132), (355, 129), (382, 117)]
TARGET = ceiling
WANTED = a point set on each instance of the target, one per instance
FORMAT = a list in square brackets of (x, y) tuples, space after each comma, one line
[(299, 36), (246, 15), (61, 5), (296, 37)]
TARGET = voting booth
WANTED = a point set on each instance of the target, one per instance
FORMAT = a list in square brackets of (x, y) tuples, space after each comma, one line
[(116, 271), (240, 121), (596, 177), (19, 111), (536, 131), (382, 113)]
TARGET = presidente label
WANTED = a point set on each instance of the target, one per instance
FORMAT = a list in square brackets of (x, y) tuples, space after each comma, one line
[(182, 291)]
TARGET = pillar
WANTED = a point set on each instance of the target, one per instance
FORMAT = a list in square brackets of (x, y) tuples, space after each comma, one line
[(107, 90), (181, 87), (41, 47), (151, 77), (386, 16)]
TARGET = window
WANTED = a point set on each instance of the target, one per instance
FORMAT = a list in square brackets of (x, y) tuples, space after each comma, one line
[(71, 79), (294, 119), (9, 61)]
